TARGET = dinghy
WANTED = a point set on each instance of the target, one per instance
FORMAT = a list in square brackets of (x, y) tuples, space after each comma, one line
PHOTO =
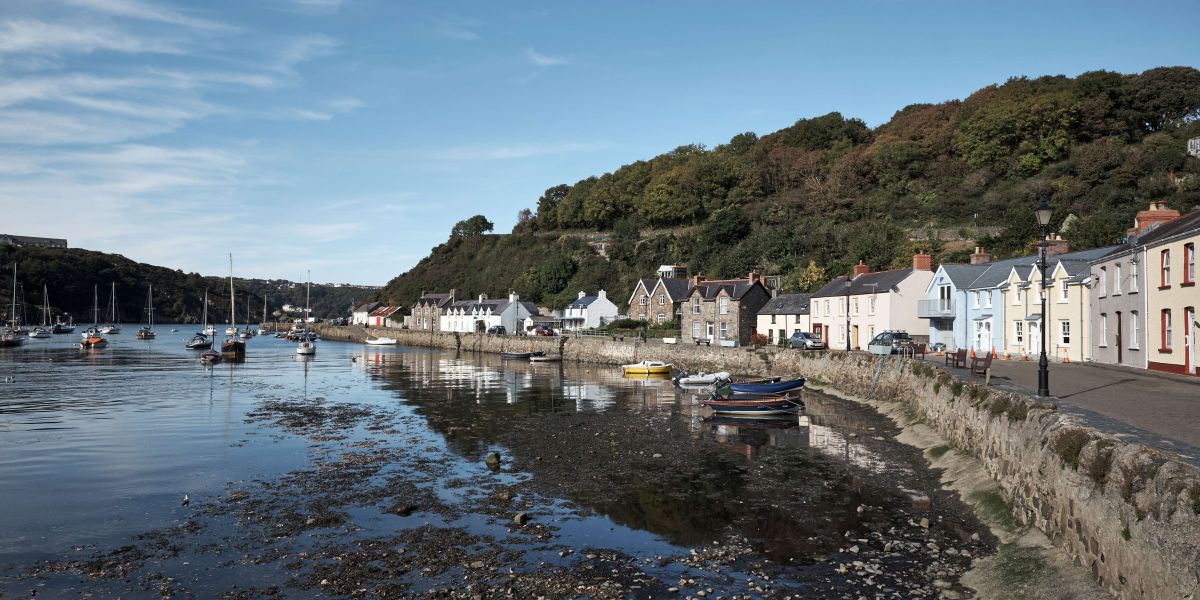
[(648, 367)]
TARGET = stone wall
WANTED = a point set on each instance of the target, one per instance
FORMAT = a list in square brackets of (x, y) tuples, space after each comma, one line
[(1128, 514)]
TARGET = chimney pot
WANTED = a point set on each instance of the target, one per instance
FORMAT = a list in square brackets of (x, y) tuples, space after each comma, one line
[(860, 269), (922, 262)]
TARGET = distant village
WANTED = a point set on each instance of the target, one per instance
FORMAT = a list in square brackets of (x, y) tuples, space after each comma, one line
[(1132, 304)]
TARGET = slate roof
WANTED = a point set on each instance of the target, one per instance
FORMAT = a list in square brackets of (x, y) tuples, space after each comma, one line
[(438, 300), (1185, 224), (962, 275), (583, 302), (710, 289), (787, 304), (677, 289), (867, 283), (997, 272), (368, 307)]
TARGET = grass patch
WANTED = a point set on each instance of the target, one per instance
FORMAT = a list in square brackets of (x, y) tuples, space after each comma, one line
[(1100, 464), (937, 387), (1069, 444), (956, 388), (937, 452), (1125, 535), (993, 507)]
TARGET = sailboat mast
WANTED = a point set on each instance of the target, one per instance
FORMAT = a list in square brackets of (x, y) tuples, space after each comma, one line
[(232, 313), (95, 305), (13, 316), (205, 310), (46, 301), (308, 299)]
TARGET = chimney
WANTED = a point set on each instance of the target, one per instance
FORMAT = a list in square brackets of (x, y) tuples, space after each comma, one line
[(861, 269), (581, 295), (981, 256), (696, 279), (1056, 245), (482, 297), (752, 277), (453, 293), (602, 294), (922, 262), (513, 297), (1156, 215)]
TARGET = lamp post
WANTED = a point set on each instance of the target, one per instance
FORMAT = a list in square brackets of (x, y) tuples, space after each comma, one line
[(1043, 217), (848, 282)]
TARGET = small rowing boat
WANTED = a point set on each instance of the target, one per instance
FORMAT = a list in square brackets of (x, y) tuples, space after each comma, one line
[(648, 367), (701, 378), (754, 406), (766, 388), (520, 355), (381, 341), (545, 358), (210, 356)]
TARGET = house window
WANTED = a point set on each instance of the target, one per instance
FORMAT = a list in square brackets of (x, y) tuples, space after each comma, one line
[(827, 308), (695, 330), (871, 305), (1017, 298), (1064, 332), (772, 319), (1019, 332), (695, 306), (724, 330), (1133, 278), (1164, 268), (1103, 330), (1063, 291), (662, 318), (943, 298), (1117, 279), (708, 327), (662, 299), (771, 335), (1133, 330), (1189, 263), (987, 298), (1103, 283), (724, 302), (975, 298), (641, 300), (856, 306), (1166, 330)]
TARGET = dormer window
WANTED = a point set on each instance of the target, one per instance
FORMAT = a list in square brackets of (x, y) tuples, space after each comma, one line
[(724, 305)]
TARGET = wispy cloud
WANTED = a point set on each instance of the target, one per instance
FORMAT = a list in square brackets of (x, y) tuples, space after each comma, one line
[(157, 12), (511, 151), (316, 7), (544, 60), (304, 49), (328, 111), (33, 36), (456, 28)]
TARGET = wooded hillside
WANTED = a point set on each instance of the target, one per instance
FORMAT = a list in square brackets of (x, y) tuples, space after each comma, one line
[(830, 191)]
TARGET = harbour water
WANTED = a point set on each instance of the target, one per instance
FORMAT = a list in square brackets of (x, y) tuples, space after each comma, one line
[(363, 470)]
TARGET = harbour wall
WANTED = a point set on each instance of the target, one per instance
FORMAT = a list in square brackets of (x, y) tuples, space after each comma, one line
[(1128, 514)]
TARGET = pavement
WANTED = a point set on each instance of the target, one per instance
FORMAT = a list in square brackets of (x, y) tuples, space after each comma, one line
[(1154, 409)]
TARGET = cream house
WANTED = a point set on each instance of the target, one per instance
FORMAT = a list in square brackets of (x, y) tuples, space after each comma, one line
[(1068, 333), (1172, 300), (851, 311)]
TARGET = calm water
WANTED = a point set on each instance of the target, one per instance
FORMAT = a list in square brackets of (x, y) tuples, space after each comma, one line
[(99, 446)]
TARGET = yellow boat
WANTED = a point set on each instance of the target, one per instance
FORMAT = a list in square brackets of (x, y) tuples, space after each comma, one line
[(648, 367)]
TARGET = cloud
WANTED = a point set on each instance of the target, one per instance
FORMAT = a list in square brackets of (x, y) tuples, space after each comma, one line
[(543, 60), (303, 49), (39, 37), (332, 109), (456, 28), (510, 151), (135, 9), (317, 7)]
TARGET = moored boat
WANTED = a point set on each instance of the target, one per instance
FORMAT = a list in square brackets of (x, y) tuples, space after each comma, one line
[(754, 406), (94, 341), (147, 330), (381, 341), (648, 367), (307, 345), (198, 342), (765, 388), (210, 356), (701, 378), (520, 355), (232, 347)]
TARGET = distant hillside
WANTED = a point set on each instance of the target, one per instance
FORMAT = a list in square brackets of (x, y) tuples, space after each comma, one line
[(178, 297), (833, 191)]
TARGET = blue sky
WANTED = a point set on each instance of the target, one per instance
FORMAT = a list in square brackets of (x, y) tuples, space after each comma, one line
[(348, 136)]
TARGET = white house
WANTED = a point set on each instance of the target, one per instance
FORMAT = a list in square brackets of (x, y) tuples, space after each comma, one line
[(864, 305), (386, 316), (588, 312), (361, 314), (477, 316), (784, 315)]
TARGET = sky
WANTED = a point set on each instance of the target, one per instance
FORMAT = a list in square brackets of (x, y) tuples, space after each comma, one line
[(346, 137)]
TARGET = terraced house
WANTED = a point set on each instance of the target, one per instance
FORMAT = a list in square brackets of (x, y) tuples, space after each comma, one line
[(659, 300), (723, 311), (1172, 325), (428, 310)]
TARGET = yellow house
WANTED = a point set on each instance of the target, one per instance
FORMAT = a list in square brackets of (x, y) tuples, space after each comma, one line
[(1068, 328), (1172, 295)]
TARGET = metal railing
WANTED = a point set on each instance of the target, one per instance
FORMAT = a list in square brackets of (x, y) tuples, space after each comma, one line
[(935, 309)]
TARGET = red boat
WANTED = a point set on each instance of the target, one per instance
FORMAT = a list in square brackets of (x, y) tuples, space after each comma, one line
[(755, 406), (94, 341)]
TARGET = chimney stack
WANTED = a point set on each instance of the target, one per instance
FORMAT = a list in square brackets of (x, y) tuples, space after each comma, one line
[(1056, 245), (696, 279), (752, 277), (581, 295), (1156, 215), (922, 262), (861, 269), (981, 256)]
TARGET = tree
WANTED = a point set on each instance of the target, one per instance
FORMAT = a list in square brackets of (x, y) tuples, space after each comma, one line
[(472, 227), (810, 279)]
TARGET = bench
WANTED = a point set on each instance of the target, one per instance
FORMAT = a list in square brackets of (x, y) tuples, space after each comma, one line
[(618, 338), (920, 350), (958, 358), (705, 342), (981, 365)]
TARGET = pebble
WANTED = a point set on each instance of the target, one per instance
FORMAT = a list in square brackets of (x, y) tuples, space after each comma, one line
[(521, 518), (925, 522), (657, 455)]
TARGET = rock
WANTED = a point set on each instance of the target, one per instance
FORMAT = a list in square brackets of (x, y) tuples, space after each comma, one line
[(673, 590), (477, 564), (404, 509), (854, 549), (950, 595), (974, 537), (941, 583), (492, 460), (657, 455), (521, 518), (925, 522), (860, 509)]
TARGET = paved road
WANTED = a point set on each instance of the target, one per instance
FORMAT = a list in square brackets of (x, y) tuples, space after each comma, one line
[(1157, 410)]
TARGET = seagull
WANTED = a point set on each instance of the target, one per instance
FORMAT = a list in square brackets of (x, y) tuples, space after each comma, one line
[(353, 359), (185, 501)]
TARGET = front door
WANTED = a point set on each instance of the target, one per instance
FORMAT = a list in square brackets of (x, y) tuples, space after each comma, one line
[(817, 330), (854, 336), (1189, 340), (1033, 342), (1120, 348)]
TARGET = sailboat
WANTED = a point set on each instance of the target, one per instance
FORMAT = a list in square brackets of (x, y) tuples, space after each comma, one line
[(147, 330), (92, 337), (231, 346), (9, 337), (264, 326), (202, 340), (44, 330), (112, 327), (247, 333), (307, 345)]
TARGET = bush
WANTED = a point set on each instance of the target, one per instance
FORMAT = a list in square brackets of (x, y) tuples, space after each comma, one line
[(1069, 444), (758, 339)]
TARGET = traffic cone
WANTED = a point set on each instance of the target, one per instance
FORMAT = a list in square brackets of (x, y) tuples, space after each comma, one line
[(971, 355), (1006, 355), (993, 352), (1066, 357)]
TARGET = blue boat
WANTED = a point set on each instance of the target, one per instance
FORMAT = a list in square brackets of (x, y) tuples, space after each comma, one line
[(766, 388), (754, 406)]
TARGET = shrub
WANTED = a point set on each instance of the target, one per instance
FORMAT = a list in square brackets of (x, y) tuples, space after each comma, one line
[(1069, 444), (956, 388), (758, 339), (1101, 462)]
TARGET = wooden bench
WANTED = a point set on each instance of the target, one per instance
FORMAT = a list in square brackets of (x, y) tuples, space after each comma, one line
[(981, 365), (958, 358), (705, 342), (618, 338), (919, 350)]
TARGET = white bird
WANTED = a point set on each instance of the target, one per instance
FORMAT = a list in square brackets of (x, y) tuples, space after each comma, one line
[(185, 501)]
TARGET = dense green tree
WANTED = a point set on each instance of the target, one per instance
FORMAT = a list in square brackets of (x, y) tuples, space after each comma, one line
[(472, 227)]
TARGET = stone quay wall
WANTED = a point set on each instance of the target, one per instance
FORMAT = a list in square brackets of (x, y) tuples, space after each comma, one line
[(1127, 513)]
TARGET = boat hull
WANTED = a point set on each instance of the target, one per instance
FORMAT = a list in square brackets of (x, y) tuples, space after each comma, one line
[(766, 388), (754, 407), (93, 342), (384, 341)]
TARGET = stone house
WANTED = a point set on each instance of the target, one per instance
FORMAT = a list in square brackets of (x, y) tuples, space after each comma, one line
[(853, 310), (784, 315), (658, 300), (428, 310), (723, 311), (589, 312)]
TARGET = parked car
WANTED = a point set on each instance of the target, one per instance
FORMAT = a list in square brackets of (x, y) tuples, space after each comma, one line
[(937, 347), (543, 331), (497, 330), (896, 339), (803, 340)]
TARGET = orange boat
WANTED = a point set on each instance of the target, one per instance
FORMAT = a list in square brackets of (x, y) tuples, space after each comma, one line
[(93, 342)]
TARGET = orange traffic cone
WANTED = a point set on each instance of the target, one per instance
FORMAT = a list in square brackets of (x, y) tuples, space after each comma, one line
[(971, 355), (993, 352), (1006, 355)]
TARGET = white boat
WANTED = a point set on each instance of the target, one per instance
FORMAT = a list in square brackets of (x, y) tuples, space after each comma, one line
[(702, 378), (147, 331), (112, 327), (44, 331), (546, 358), (381, 341), (308, 343)]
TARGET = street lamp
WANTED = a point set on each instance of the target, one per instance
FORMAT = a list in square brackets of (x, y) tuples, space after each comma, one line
[(1043, 217), (848, 282)]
